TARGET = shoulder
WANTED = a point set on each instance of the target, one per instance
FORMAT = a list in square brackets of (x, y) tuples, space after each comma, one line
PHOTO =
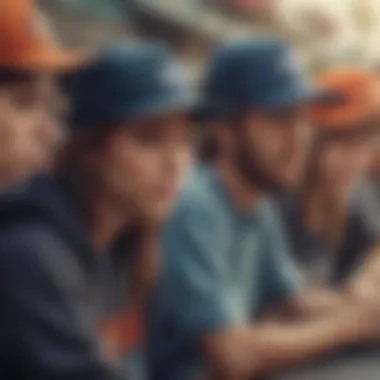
[(277, 224), (35, 254), (23, 241), (364, 205), (272, 212), (198, 225), (198, 200), (364, 198), (364, 211)]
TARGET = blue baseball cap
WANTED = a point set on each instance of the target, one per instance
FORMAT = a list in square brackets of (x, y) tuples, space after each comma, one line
[(257, 73), (128, 81)]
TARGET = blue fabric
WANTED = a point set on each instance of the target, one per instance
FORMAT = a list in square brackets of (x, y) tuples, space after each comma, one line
[(134, 365), (127, 81), (219, 263), (322, 261), (260, 73), (49, 276)]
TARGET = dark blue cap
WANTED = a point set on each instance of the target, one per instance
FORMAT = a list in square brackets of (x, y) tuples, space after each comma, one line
[(259, 73), (128, 81)]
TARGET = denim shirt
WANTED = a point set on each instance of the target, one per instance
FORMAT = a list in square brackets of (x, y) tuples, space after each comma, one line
[(220, 266)]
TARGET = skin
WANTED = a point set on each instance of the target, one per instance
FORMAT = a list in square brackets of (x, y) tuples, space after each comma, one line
[(142, 166), (344, 159), (28, 127), (137, 174), (264, 153), (267, 152), (280, 141)]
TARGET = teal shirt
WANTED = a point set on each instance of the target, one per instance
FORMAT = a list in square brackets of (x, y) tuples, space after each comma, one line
[(220, 266)]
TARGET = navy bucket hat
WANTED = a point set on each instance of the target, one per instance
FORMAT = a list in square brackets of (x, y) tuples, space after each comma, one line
[(128, 81), (260, 73)]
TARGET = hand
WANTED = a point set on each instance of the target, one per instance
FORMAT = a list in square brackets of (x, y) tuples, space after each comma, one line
[(364, 290), (230, 353), (365, 284), (363, 311), (368, 274)]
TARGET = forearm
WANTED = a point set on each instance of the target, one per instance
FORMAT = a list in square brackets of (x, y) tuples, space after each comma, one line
[(258, 350), (368, 271), (276, 346), (315, 304)]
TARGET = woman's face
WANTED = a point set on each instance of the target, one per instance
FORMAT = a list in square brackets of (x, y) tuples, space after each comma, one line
[(344, 159), (29, 131)]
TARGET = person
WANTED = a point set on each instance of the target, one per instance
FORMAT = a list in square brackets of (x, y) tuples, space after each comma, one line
[(225, 249), (375, 167), (30, 103), (72, 241), (332, 221), (372, 183)]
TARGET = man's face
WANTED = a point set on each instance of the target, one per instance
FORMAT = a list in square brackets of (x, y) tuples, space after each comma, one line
[(28, 127), (144, 163), (271, 147)]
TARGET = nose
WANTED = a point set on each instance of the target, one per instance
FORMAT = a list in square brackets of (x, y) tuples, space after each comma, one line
[(297, 136)]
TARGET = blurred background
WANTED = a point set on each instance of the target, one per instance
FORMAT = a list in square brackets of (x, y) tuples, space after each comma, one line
[(327, 32)]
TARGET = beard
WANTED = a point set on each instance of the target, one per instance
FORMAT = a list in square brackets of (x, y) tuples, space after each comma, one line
[(253, 171)]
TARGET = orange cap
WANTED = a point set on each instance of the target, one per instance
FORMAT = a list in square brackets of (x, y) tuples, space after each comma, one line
[(26, 41), (357, 100)]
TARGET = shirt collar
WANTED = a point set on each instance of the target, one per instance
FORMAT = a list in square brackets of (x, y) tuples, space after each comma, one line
[(249, 216)]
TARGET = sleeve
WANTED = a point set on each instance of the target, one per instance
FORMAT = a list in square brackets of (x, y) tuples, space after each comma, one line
[(195, 279), (281, 278), (43, 319), (362, 232), (364, 217)]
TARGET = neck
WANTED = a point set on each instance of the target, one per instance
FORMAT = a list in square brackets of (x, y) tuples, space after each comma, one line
[(242, 192)]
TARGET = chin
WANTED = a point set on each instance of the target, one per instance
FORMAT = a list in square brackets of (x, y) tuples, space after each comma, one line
[(291, 184), (291, 179), (158, 213)]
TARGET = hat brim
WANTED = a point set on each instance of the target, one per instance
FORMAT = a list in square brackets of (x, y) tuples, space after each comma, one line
[(283, 98), (292, 97), (47, 60), (171, 104)]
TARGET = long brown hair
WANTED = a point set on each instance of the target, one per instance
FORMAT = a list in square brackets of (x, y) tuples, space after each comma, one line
[(73, 173), (323, 212)]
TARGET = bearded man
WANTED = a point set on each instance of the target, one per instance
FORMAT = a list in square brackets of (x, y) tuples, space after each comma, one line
[(226, 253)]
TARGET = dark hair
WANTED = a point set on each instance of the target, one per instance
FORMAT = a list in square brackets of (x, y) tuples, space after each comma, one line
[(322, 211), (13, 76), (71, 170), (80, 185), (209, 148)]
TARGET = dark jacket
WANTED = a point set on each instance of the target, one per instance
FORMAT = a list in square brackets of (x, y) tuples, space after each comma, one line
[(50, 289)]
